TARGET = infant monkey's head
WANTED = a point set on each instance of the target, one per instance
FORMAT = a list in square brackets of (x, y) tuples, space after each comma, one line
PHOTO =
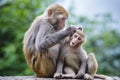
[(77, 38)]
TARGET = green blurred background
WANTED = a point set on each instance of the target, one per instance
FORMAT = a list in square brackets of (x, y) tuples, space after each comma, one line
[(102, 31)]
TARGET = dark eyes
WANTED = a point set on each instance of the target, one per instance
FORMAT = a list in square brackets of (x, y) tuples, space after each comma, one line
[(75, 36), (79, 38)]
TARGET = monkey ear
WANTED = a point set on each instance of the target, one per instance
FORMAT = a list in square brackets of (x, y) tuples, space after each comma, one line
[(49, 12), (80, 28)]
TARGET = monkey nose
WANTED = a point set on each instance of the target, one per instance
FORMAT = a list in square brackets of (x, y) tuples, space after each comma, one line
[(73, 43)]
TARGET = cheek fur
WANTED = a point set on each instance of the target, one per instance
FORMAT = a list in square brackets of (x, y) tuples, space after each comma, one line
[(61, 24), (61, 20)]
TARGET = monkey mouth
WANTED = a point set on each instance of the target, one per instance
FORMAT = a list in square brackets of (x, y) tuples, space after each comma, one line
[(73, 43)]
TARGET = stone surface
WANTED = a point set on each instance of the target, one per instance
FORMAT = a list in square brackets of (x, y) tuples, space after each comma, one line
[(34, 78)]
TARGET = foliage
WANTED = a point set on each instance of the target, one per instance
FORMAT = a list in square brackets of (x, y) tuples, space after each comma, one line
[(16, 16)]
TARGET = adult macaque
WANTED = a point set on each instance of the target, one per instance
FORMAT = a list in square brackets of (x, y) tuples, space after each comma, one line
[(41, 41), (73, 61)]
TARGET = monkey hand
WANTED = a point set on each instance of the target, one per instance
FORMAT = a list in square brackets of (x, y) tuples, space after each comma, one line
[(80, 75), (58, 75), (71, 29), (88, 77)]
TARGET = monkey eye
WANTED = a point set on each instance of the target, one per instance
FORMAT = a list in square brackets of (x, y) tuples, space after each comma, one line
[(79, 38), (75, 36)]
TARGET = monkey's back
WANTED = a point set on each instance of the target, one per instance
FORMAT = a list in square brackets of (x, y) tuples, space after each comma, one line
[(42, 63)]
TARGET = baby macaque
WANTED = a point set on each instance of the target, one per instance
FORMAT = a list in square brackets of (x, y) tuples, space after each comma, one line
[(73, 61), (73, 58)]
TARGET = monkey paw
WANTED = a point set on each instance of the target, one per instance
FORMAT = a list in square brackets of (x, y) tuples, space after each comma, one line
[(58, 75), (88, 77), (71, 29), (80, 75)]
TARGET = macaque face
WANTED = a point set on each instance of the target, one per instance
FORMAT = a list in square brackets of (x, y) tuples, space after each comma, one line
[(61, 21), (76, 39), (58, 17)]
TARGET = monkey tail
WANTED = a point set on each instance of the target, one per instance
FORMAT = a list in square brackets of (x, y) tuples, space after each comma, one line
[(100, 76)]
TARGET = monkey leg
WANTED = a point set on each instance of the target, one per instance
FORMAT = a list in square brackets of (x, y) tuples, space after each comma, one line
[(92, 66), (68, 70), (43, 66), (69, 73)]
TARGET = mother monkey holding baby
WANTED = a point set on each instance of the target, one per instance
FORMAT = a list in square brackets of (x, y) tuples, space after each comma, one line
[(41, 42)]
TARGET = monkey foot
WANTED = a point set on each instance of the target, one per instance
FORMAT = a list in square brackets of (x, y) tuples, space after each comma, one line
[(58, 75), (88, 77)]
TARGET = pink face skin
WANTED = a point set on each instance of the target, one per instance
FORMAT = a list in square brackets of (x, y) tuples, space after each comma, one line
[(59, 19), (76, 39), (61, 23)]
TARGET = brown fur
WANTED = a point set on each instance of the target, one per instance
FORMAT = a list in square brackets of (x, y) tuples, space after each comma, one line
[(74, 62), (73, 59), (41, 41)]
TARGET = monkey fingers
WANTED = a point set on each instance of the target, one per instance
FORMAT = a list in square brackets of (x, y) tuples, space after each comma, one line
[(58, 75), (72, 29), (80, 75), (88, 77)]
